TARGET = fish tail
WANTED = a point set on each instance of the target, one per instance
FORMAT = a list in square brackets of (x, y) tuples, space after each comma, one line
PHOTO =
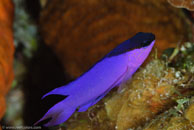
[(59, 113)]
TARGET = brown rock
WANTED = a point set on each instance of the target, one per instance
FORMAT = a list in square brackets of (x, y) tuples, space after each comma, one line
[(82, 32), (6, 50)]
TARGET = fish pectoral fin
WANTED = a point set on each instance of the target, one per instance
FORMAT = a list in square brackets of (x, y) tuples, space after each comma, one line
[(125, 78), (123, 85)]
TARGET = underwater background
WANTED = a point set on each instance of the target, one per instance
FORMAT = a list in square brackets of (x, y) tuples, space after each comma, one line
[(45, 44)]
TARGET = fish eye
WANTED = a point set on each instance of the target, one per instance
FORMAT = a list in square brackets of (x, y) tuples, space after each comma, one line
[(145, 43)]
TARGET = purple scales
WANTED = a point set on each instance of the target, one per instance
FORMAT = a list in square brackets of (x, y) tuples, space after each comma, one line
[(112, 70)]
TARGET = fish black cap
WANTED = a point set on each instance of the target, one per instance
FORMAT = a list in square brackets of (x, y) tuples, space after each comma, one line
[(139, 40), (142, 39)]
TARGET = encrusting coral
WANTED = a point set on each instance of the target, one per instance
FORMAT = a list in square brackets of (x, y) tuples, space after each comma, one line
[(148, 93), (188, 4)]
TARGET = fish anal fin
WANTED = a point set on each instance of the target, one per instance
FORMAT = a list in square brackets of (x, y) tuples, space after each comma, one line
[(84, 107), (93, 102)]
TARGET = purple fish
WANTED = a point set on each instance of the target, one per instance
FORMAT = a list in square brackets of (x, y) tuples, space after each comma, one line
[(112, 70)]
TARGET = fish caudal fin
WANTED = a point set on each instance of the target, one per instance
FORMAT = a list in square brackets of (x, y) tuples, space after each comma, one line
[(59, 113)]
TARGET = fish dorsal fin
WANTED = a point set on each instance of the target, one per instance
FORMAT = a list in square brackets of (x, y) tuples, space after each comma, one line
[(63, 90)]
